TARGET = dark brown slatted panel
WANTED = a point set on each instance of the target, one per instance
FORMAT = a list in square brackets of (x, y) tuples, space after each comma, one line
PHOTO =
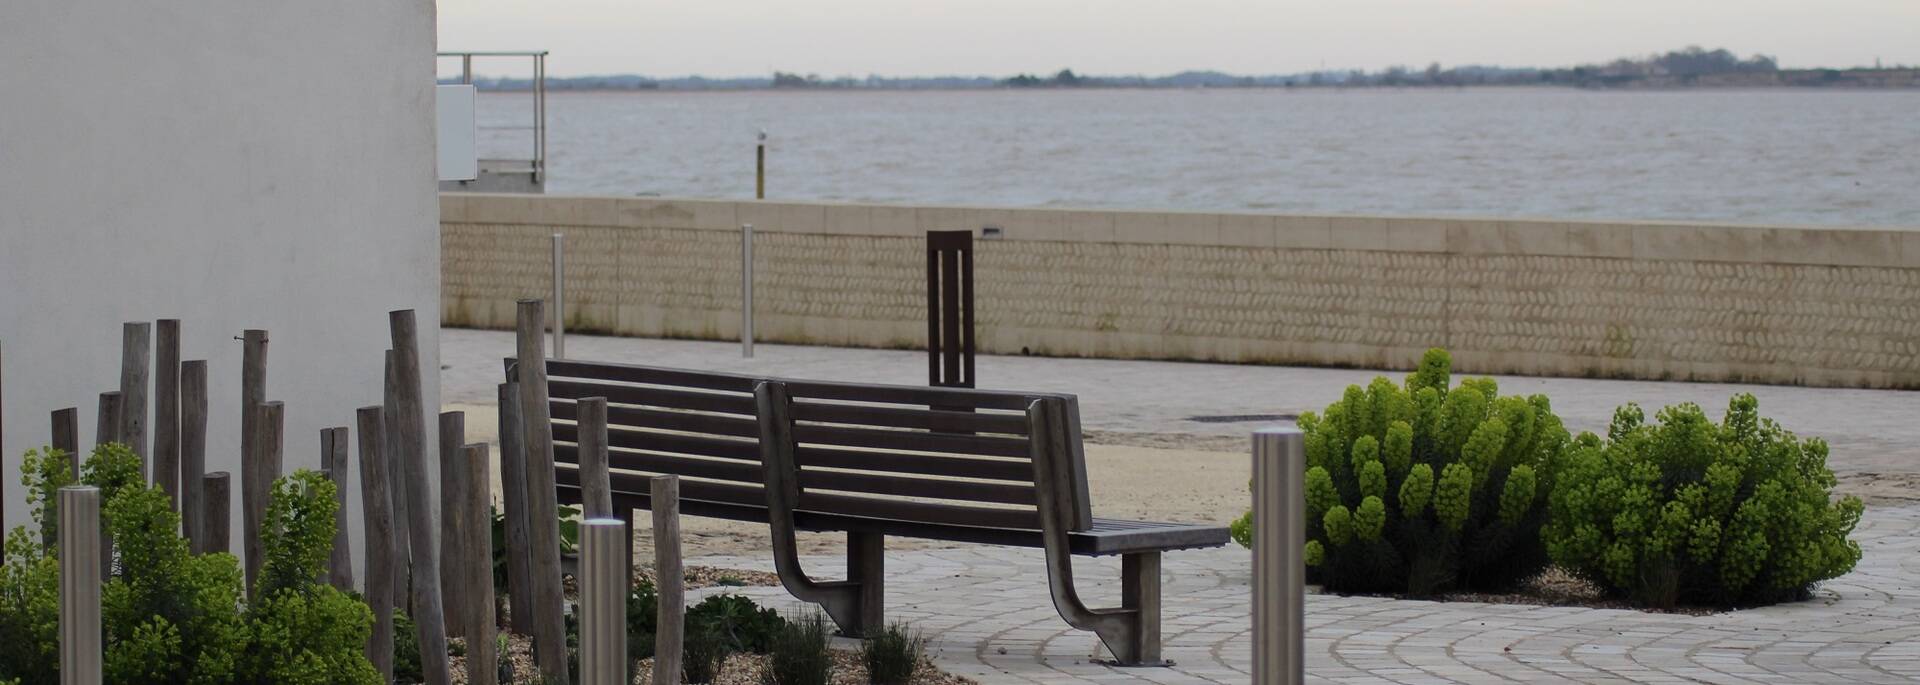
[(957, 467), (901, 486), (929, 512), (653, 397), (698, 445), (727, 493), (629, 460), (906, 394), (690, 422), (986, 446), (632, 373), (898, 417)]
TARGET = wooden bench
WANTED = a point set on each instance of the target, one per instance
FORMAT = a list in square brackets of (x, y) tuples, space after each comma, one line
[(964, 465)]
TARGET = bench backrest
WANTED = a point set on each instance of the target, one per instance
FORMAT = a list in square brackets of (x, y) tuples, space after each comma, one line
[(943, 456)]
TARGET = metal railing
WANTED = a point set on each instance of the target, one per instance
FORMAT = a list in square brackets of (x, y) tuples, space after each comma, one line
[(538, 164)]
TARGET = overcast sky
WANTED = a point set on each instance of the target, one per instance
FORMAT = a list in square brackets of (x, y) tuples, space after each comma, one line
[(1003, 37)]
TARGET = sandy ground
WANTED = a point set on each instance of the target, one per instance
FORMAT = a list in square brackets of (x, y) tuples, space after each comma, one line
[(1126, 480)]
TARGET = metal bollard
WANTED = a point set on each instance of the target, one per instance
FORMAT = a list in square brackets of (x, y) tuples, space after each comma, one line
[(559, 297), (80, 655), (1279, 574), (746, 291), (604, 580)]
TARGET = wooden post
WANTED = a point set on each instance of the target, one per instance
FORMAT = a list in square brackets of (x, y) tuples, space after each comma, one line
[(333, 454), (257, 472), (476, 575), (65, 438), (513, 482), (166, 409), (107, 425), (80, 581), (549, 633), (669, 582), (193, 447), (4, 471), (429, 614), (453, 537), (376, 504), (216, 514), (397, 483), (596, 493), (136, 352)]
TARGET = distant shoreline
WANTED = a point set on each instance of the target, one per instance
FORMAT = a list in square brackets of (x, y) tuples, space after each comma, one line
[(1648, 88)]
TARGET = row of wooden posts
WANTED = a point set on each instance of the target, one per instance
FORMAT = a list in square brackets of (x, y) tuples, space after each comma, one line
[(451, 583)]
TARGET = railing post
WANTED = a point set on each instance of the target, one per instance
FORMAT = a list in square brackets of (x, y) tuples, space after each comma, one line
[(1279, 576), (559, 297), (80, 655), (746, 291), (604, 577)]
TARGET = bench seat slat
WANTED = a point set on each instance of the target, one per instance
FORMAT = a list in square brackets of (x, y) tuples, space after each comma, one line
[(699, 445), (902, 486), (633, 373), (651, 396), (691, 422), (885, 439), (952, 466), (899, 417), (907, 394), (931, 512)]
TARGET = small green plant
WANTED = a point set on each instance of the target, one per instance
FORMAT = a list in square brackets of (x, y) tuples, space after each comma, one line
[(569, 541), (702, 653), (1689, 512), (1427, 486), (741, 625), (892, 656), (643, 616), (44, 471), (406, 649), (29, 610), (799, 654)]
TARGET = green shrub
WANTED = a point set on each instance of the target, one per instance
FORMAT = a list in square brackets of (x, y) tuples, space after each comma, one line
[(406, 649), (892, 656), (741, 625), (643, 618), (702, 653), (1424, 487), (1687, 511), (799, 654), (29, 611)]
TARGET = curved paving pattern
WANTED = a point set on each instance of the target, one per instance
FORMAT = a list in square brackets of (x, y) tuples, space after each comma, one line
[(988, 615)]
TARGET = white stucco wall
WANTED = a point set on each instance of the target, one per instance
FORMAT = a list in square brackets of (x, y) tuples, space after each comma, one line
[(231, 163)]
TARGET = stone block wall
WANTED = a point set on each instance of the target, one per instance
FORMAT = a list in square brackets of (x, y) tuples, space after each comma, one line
[(1816, 306)]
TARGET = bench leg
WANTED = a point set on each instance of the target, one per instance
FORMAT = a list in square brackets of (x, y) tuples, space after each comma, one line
[(866, 567), (1140, 592)]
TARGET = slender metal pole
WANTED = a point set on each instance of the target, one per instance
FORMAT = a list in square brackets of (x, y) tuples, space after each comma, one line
[(746, 291), (1279, 576), (559, 297), (466, 69), (760, 168), (80, 655), (604, 578)]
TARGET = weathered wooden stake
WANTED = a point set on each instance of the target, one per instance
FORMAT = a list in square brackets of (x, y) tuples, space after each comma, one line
[(107, 426), (429, 614), (477, 573), (596, 493), (80, 582), (136, 353), (216, 514), (166, 409), (530, 367), (257, 472), (397, 483), (604, 581), (193, 447), (333, 454), (669, 581), (453, 536), (377, 514), (513, 482), (66, 438)]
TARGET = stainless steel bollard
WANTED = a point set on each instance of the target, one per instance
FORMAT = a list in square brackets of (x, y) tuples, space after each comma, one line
[(1279, 574), (559, 297), (746, 291), (604, 580), (80, 655)]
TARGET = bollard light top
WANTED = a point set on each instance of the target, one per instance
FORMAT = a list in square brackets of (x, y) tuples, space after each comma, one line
[(598, 522), (1278, 430)]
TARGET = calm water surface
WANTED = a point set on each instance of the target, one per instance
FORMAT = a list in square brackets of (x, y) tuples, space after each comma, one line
[(1769, 156)]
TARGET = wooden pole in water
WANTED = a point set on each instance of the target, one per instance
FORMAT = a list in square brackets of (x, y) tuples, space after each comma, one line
[(166, 410), (257, 473), (216, 515), (107, 426), (476, 575), (530, 367), (409, 426), (377, 514), (513, 483), (596, 493), (669, 582), (397, 483), (333, 454), (136, 353), (193, 447), (453, 537)]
